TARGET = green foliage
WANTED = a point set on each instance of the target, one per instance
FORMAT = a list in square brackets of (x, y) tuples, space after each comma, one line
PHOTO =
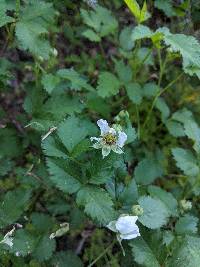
[(64, 66)]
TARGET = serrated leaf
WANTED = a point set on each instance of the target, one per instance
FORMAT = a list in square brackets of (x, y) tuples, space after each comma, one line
[(143, 254), (77, 82), (134, 92), (100, 20), (166, 197), (23, 242), (33, 23), (67, 258), (52, 149), (186, 253), (71, 132), (124, 38), (186, 161), (44, 249), (162, 106), (64, 181), (97, 202), (192, 131), (4, 18), (91, 35), (155, 213), (123, 71), (50, 81), (108, 84), (186, 225), (175, 128), (147, 171), (141, 32), (13, 205)]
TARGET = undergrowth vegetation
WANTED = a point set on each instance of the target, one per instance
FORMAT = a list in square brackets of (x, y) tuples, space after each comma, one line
[(99, 133)]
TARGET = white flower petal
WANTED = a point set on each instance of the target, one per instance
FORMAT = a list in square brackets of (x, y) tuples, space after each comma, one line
[(112, 131), (106, 151), (122, 137), (103, 125), (130, 236), (117, 149), (95, 139), (112, 226), (126, 224)]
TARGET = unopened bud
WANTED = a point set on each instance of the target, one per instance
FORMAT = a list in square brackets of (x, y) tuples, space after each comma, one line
[(186, 205), (137, 210)]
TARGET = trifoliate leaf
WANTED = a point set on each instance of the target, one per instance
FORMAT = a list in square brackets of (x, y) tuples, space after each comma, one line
[(71, 132), (186, 225), (64, 181), (186, 161), (134, 92), (108, 84), (155, 212), (143, 254), (97, 202), (167, 198), (147, 171)]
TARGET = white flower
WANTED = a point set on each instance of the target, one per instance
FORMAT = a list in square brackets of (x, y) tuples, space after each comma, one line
[(8, 239), (110, 139), (125, 227)]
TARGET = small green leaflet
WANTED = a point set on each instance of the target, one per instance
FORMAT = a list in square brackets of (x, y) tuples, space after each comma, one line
[(108, 84)]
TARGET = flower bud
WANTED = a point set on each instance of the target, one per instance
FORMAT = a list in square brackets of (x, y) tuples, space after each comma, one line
[(137, 210), (186, 205)]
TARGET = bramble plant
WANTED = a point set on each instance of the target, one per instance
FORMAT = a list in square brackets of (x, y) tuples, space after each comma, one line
[(100, 135)]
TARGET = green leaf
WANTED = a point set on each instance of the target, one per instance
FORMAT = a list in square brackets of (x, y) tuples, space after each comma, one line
[(108, 84), (23, 242), (143, 254), (123, 71), (124, 38), (91, 35), (134, 92), (97, 202), (166, 6), (134, 8), (192, 131), (147, 171), (50, 81), (12, 206), (71, 132), (100, 20), (150, 89), (144, 14), (64, 181), (187, 225), (77, 82), (186, 253), (52, 149), (155, 212), (166, 197), (162, 106), (186, 161), (66, 258), (4, 18), (44, 248), (141, 32), (34, 22), (175, 128)]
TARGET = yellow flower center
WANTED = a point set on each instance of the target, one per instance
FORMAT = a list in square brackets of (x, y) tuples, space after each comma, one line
[(109, 139)]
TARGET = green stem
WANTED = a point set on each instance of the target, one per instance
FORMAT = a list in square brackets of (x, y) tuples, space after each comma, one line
[(159, 94), (102, 254), (18, 4), (138, 121)]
